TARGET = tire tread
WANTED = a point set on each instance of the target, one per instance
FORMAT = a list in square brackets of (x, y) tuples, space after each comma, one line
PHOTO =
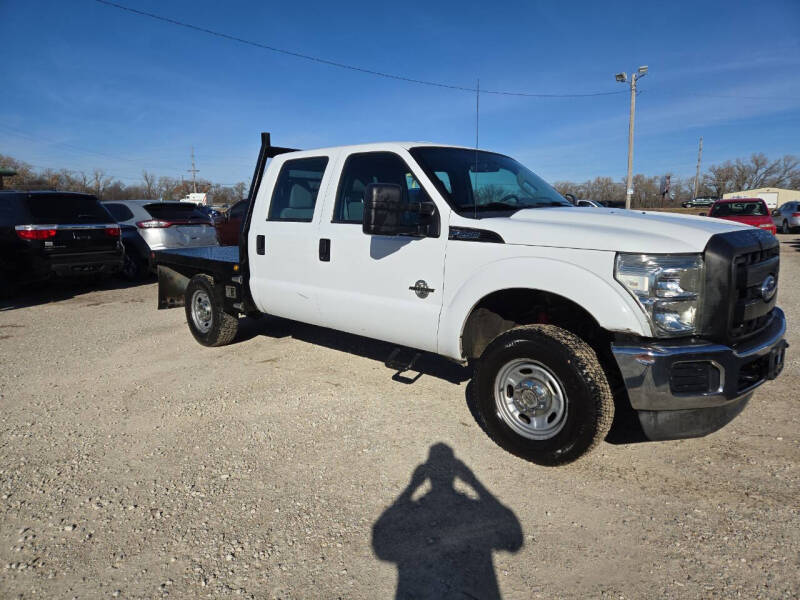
[(588, 365), (225, 326)]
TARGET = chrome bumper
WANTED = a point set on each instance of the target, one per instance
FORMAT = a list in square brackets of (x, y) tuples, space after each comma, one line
[(666, 414)]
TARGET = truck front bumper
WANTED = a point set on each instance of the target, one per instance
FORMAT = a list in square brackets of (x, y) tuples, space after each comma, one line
[(686, 389)]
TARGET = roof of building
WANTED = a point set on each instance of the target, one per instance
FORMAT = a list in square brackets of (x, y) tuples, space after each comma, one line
[(763, 189)]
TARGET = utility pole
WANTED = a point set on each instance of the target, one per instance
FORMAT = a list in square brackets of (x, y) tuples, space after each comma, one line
[(194, 172), (622, 78), (697, 176)]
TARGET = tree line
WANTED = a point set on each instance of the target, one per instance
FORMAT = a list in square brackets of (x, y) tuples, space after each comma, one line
[(742, 174), (757, 171), (106, 187)]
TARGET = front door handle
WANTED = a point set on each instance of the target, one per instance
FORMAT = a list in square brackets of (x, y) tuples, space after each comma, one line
[(260, 244), (325, 250)]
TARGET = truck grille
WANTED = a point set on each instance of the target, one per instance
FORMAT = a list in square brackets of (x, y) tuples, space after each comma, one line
[(750, 269), (737, 264)]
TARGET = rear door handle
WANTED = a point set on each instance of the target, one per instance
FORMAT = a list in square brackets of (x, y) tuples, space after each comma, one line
[(259, 244), (325, 250)]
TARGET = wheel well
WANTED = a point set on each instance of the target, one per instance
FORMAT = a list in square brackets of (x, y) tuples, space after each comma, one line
[(502, 310)]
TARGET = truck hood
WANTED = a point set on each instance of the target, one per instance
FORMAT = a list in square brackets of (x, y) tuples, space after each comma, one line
[(614, 230)]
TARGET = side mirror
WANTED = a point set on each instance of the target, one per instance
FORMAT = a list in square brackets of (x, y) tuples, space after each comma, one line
[(387, 213)]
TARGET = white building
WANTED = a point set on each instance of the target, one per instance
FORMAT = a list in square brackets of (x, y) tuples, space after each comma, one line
[(774, 197)]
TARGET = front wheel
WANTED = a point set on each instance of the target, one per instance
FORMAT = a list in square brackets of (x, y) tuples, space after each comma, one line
[(541, 394), (209, 323)]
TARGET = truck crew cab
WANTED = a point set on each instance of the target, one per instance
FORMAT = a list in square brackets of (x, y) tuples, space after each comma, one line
[(470, 255)]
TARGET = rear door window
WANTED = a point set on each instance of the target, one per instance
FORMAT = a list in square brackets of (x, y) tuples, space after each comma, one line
[(63, 209), (176, 211), (296, 190)]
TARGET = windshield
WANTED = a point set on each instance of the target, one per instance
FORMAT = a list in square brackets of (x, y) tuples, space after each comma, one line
[(740, 209), (484, 184)]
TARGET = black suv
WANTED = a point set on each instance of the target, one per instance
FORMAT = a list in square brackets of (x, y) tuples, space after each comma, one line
[(46, 234)]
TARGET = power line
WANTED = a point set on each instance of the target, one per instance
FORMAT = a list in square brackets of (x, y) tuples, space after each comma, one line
[(358, 69), (340, 65)]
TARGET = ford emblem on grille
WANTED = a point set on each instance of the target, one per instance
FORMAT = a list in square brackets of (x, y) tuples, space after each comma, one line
[(768, 287)]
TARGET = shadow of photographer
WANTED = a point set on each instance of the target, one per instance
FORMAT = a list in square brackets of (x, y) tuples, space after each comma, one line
[(442, 542)]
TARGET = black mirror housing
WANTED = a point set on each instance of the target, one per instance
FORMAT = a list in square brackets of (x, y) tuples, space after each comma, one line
[(385, 207)]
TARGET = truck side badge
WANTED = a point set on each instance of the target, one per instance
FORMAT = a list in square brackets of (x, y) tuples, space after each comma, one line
[(421, 289)]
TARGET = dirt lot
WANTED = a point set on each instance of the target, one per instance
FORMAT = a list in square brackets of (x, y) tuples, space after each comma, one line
[(135, 463)]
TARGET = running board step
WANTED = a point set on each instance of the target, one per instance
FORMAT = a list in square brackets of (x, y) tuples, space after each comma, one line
[(400, 362)]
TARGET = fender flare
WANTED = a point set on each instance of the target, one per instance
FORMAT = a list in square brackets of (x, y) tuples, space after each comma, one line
[(609, 303)]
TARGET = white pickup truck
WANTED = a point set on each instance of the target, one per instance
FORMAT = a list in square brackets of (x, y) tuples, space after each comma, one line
[(565, 313)]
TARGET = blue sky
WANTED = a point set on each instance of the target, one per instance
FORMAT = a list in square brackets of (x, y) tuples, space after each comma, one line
[(86, 85)]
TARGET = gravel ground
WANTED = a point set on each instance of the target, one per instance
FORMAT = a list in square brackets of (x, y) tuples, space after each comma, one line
[(135, 463)]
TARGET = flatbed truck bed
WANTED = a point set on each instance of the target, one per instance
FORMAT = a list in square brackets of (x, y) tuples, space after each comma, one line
[(221, 263)]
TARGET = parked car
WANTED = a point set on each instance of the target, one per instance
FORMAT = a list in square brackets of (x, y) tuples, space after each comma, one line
[(47, 234), (572, 199), (137, 254), (558, 308), (787, 217), (231, 224), (697, 202), (750, 211), (163, 225)]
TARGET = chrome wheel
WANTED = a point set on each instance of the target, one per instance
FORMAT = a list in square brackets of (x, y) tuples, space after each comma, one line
[(530, 399), (202, 313)]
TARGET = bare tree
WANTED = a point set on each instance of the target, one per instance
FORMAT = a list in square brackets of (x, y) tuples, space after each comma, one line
[(239, 189), (150, 185), (99, 183)]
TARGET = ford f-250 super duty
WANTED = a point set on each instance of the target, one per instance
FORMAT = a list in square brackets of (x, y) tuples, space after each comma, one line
[(566, 313)]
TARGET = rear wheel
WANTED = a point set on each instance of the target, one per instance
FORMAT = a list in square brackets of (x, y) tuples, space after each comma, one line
[(209, 323), (134, 268), (541, 394)]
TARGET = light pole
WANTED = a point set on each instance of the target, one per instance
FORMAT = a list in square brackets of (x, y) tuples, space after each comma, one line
[(622, 78)]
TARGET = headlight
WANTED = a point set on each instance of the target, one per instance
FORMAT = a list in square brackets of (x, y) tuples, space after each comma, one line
[(666, 286)]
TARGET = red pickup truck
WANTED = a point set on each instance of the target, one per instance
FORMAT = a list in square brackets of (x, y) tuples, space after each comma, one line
[(750, 211)]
